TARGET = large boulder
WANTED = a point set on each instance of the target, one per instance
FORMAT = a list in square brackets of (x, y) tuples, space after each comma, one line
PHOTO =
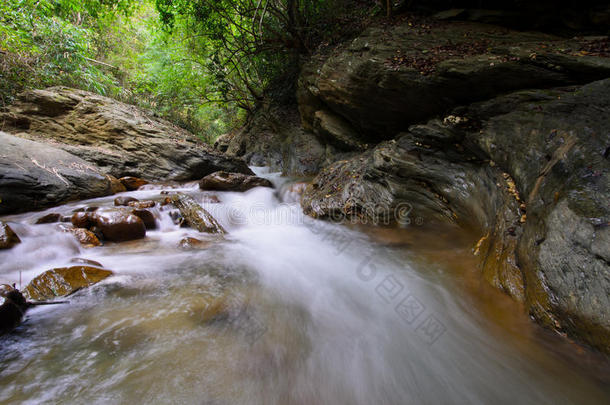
[(224, 181), (275, 139), (530, 170), (64, 281), (394, 76), (122, 140), (35, 175)]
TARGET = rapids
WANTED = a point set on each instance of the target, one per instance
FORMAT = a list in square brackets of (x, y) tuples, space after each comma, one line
[(283, 310)]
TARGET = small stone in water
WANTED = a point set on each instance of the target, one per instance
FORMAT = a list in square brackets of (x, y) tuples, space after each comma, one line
[(124, 201), (49, 218), (8, 238)]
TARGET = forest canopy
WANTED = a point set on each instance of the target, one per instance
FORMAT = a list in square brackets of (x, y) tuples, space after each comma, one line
[(202, 64)]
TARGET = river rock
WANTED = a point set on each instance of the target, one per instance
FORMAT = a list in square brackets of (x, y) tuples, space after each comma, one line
[(146, 216), (12, 308), (64, 281), (224, 181), (529, 169), (8, 238), (49, 218), (85, 237), (192, 244), (142, 204), (82, 220), (119, 225), (195, 215), (121, 139), (115, 185), (124, 200), (36, 175), (132, 183)]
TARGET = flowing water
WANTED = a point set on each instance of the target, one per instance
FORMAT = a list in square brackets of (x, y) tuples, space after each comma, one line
[(283, 310)]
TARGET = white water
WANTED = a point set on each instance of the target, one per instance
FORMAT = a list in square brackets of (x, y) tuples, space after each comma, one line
[(313, 316)]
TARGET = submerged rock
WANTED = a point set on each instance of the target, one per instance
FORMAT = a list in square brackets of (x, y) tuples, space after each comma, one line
[(195, 215), (8, 238), (80, 260), (224, 181), (64, 281), (119, 225), (192, 244)]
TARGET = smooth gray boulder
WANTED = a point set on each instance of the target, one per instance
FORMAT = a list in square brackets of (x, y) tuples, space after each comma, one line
[(36, 175)]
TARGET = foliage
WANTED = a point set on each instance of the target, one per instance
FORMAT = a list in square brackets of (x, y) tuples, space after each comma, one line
[(48, 42), (248, 44), (203, 64)]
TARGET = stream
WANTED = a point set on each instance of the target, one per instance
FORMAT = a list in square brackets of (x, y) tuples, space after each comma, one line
[(284, 309)]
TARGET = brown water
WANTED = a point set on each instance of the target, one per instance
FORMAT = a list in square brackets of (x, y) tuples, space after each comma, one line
[(284, 310)]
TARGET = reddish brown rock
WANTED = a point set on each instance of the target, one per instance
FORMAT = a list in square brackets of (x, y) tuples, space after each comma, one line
[(225, 181), (82, 220), (64, 281), (192, 244), (132, 183), (142, 204), (115, 185), (85, 237), (8, 238), (124, 200), (119, 226), (147, 217)]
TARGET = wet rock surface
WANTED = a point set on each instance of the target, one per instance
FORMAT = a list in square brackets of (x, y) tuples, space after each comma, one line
[(530, 169), (12, 309), (120, 139), (192, 244), (64, 281), (8, 237), (124, 200), (119, 225), (85, 237), (49, 218), (146, 216), (195, 215), (224, 181)]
